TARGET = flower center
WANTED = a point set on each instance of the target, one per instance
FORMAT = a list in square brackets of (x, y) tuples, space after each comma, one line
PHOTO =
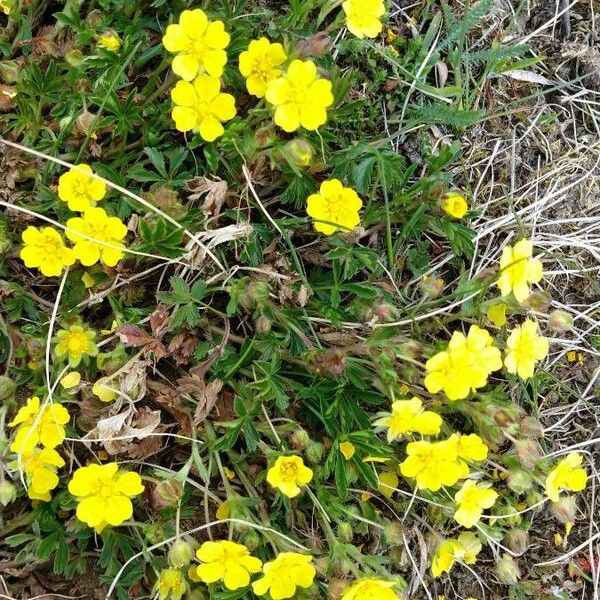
[(105, 488), (289, 472), (77, 343), (198, 48), (51, 247)]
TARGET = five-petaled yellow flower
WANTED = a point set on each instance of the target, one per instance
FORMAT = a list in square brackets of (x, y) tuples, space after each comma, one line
[(454, 205), (469, 447), (40, 466), (567, 475), (171, 585), (464, 549), (199, 45), (37, 425), (464, 366), (287, 474), (104, 494), (260, 65), (78, 189), (97, 237), (525, 348), (433, 464), (76, 342), (283, 575), (110, 41), (334, 208), (45, 249), (201, 106), (518, 270), (471, 501), (363, 17), (228, 562), (370, 589), (300, 97), (408, 417)]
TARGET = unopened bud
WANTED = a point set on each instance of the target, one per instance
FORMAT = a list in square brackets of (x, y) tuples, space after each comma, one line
[(560, 321), (432, 287), (263, 324), (300, 439), (507, 570), (565, 510), (7, 388), (519, 481), (394, 533), (9, 71), (8, 493), (314, 452), (539, 301), (345, 532), (517, 540), (251, 539), (181, 554), (300, 152), (74, 57), (336, 588), (529, 453), (170, 491)]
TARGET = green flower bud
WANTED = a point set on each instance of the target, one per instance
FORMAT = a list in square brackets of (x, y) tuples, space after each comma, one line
[(517, 540), (314, 452), (170, 491), (507, 570), (74, 57), (251, 539), (7, 388), (345, 533), (565, 510), (180, 554), (9, 71), (300, 152), (8, 493), (300, 439), (560, 321), (519, 481)]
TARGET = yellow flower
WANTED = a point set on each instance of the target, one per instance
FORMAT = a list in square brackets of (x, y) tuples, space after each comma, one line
[(496, 313), (78, 189), (75, 342), (171, 585), (567, 475), (104, 390), (469, 447), (201, 106), (198, 43), (408, 417), (39, 426), (301, 97), (110, 41), (88, 280), (97, 237), (518, 270), (287, 474), (370, 589), (45, 249), (40, 466), (228, 562), (71, 380), (260, 65), (334, 208), (283, 575), (464, 549), (433, 464), (472, 499), (104, 494), (347, 449), (464, 366), (525, 348), (454, 205), (363, 17)]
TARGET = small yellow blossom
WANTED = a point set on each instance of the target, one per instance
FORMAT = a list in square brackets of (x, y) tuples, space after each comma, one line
[(347, 449), (201, 106), (88, 281), (104, 390), (454, 205), (471, 500), (370, 589), (38, 425), (496, 313), (409, 417), (104, 494), (334, 208), (45, 250), (228, 562), (229, 473), (109, 40), (283, 575), (525, 348), (464, 366), (518, 270), (40, 466), (79, 190), (75, 342), (363, 17), (97, 237), (199, 45), (433, 464), (464, 549), (567, 475), (260, 65), (71, 380), (387, 483), (5, 7), (469, 447), (300, 97), (171, 585), (223, 511), (287, 474)]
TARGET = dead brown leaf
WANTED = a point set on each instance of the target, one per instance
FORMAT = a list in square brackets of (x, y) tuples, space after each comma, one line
[(215, 192)]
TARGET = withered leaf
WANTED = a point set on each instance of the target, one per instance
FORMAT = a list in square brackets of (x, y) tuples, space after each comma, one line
[(132, 335)]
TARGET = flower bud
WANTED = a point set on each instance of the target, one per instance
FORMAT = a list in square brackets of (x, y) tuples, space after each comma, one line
[(559, 321), (251, 539), (74, 57), (539, 301), (263, 324), (9, 71), (300, 152), (8, 493), (170, 490), (507, 570), (517, 540), (345, 533), (7, 388), (314, 452), (530, 427), (431, 287), (5, 242), (300, 439), (197, 593), (529, 453), (565, 510), (519, 481), (180, 554), (336, 588), (393, 533)]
